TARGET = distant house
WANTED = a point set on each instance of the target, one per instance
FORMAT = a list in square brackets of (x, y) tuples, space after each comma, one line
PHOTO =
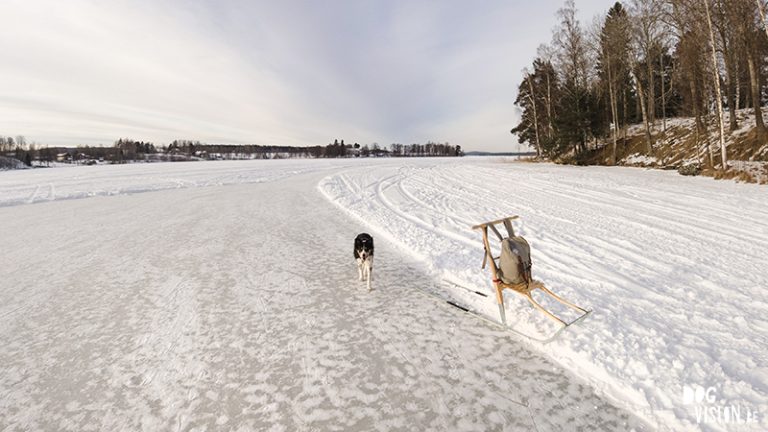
[(63, 157)]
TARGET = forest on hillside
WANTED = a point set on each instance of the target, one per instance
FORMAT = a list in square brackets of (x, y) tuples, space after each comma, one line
[(645, 62)]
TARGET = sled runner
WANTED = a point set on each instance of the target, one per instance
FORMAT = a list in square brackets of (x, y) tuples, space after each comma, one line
[(512, 270)]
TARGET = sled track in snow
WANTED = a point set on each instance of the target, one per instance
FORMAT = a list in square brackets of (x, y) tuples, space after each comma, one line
[(667, 263)]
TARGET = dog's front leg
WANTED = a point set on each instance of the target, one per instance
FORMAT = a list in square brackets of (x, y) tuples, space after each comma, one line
[(360, 269)]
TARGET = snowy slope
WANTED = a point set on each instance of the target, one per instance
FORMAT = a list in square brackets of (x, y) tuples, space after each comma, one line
[(236, 307), (674, 268)]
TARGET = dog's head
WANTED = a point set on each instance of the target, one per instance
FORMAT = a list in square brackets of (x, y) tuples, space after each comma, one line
[(363, 246)]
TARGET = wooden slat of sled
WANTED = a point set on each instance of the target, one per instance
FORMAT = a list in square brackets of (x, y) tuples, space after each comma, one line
[(478, 226)]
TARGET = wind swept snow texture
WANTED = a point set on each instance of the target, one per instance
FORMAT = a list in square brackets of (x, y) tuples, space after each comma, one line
[(673, 268), (238, 308)]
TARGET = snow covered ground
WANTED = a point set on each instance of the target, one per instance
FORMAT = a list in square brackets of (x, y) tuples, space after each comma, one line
[(674, 269), (224, 298), (73, 181)]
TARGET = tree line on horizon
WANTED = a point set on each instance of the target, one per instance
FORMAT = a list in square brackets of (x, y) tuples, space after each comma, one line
[(127, 149), (643, 62)]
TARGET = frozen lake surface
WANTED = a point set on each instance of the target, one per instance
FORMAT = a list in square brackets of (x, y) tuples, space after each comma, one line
[(223, 295)]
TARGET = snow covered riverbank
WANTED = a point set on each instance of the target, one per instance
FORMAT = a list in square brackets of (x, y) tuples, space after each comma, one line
[(674, 268)]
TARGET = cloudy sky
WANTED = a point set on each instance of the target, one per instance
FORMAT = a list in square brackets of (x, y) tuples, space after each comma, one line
[(269, 72)]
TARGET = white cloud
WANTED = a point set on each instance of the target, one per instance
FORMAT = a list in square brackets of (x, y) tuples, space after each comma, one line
[(102, 70), (293, 73)]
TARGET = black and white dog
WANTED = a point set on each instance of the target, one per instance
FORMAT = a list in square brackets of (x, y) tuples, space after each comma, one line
[(364, 256)]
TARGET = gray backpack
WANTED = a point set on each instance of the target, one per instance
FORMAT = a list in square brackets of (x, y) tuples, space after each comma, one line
[(515, 261)]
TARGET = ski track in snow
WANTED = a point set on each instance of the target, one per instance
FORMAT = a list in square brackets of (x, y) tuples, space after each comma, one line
[(672, 267), (236, 308)]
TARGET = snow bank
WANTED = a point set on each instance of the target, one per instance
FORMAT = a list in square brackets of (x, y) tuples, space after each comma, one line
[(637, 159), (673, 268)]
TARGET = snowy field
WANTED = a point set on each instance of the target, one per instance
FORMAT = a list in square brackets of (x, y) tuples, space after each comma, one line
[(72, 182), (222, 295)]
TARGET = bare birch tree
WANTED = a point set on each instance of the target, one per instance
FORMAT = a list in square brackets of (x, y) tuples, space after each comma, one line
[(612, 60), (718, 94)]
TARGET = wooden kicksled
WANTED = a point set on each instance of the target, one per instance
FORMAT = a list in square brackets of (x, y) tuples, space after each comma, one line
[(517, 277)]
